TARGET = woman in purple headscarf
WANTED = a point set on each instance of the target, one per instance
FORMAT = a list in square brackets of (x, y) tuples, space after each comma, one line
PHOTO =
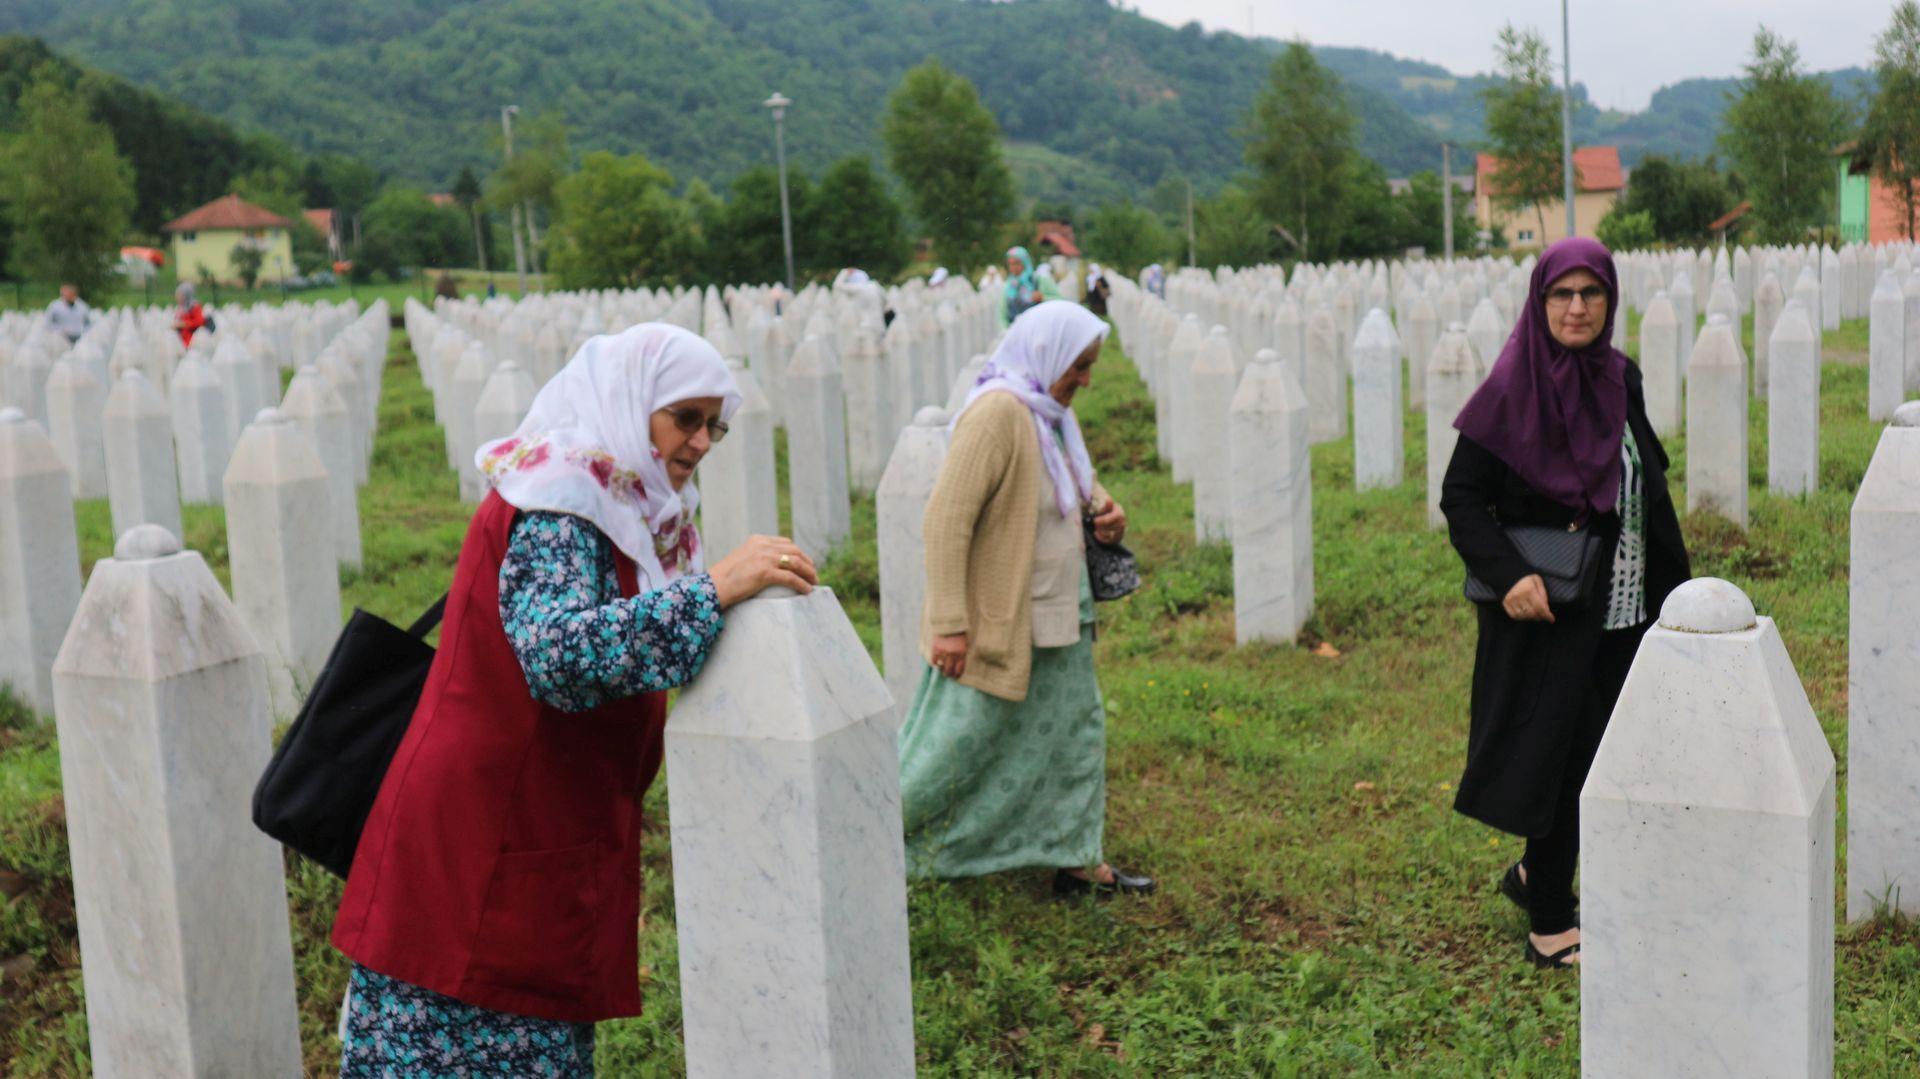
[(1556, 435)]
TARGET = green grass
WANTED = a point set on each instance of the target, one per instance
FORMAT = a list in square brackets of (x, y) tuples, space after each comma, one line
[(1323, 911)]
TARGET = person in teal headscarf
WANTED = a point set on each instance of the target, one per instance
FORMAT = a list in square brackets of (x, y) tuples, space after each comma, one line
[(1024, 287)]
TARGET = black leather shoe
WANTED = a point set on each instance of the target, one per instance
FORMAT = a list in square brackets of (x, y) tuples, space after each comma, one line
[(1066, 884), (1560, 960), (1516, 889)]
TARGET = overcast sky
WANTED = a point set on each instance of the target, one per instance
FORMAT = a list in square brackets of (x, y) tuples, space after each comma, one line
[(1623, 50)]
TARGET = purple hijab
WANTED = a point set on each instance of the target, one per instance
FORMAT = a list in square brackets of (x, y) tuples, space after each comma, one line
[(1553, 414)]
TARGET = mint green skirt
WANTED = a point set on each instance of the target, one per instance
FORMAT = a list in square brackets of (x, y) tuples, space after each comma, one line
[(988, 784)]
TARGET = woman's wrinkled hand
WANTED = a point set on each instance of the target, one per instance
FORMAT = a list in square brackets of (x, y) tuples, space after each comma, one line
[(1527, 600), (950, 654), (762, 562), (1110, 523)]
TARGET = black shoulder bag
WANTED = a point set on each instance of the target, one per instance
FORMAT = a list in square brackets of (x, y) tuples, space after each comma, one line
[(320, 785), (1112, 571), (1567, 558)]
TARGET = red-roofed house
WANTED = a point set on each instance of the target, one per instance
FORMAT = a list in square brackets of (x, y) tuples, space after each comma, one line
[(204, 239), (326, 223), (1598, 182), (1057, 235)]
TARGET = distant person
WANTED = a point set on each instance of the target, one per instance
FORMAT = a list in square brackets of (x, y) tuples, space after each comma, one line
[(491, 290), (1003, 756), (489, 913), (1154, 280), (1557, 435), (1025, 288), (447, 287), (69, 315), (188, 316), (1097, 290), (938, 278)]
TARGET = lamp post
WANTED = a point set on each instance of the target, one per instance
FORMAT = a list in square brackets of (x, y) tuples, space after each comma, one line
[(1446, 200), (519, 245), (1566, 119), (778, 103), (1192, 260)]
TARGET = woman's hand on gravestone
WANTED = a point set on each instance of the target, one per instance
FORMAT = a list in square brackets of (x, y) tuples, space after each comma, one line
[(762, 562), (1527, 600), (1110, 524), (950, 654)]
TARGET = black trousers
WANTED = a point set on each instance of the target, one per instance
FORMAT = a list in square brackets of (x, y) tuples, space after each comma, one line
[(1551, 859)]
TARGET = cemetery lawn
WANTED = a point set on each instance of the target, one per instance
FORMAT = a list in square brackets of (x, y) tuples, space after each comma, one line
[(1322, 910)]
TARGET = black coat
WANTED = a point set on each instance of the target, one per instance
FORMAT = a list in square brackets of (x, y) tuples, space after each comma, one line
[(1528, 677)]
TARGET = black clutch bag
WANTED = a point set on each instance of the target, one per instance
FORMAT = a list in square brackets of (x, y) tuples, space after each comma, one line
[(320, 785), (1111, 569), (1566, 558)]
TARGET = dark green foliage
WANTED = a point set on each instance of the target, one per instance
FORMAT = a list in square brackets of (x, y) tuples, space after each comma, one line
[(404, 230), (945, 147), (1124, 237), (1424, 214), (1623, 230), (66, 188), (1780, 129), (749, 247), (619, 224), (247, 259), (1300, 147), (1680, 198), (855, 221), (1230, 230)]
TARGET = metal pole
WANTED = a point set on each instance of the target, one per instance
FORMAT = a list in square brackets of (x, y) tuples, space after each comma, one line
[(1192, 259), (1566, 117), (1446, 200), (519, 243), (778, 103)]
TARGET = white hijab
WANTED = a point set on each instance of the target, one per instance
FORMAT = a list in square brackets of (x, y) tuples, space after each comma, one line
[(585, 447), (1037, 350)]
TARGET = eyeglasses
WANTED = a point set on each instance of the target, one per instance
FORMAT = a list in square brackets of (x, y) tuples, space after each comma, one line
[(690, 420), (1592, 295)]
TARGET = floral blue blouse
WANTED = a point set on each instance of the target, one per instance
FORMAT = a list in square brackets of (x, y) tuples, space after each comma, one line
[(581, 644)]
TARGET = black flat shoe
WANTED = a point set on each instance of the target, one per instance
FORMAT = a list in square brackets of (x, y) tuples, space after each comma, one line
[(1559, 960), (1516, 889), (1066, 884)]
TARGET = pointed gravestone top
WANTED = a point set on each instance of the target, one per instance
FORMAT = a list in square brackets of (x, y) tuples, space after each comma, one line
[(270, 416), (1907, 415), (931, 416), (142, 543), (1707, 605)]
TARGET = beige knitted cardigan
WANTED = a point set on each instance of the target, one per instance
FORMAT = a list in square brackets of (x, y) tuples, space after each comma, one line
[(980, 525)]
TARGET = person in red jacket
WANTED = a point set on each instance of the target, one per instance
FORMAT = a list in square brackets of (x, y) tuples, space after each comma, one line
[(188, 315), (491, 905)]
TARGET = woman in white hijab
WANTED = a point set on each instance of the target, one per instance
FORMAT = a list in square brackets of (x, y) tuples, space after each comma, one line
[(489, 911), (1003, 753)]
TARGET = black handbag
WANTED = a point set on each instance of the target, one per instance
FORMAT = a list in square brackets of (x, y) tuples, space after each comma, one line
[(1567, 558), (320, 785), (1111, 569)]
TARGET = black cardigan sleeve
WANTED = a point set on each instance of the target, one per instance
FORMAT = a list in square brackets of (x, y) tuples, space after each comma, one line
[(1467, 494)]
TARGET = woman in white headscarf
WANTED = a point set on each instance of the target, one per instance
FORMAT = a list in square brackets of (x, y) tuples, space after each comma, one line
[(490, 908), (1003, 754)]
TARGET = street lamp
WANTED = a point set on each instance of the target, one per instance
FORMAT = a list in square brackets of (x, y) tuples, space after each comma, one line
[(519, 246), (1566, 118), (778, 103)]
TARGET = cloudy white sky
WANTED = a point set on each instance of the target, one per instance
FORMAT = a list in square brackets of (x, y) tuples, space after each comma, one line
[(1622, 49)]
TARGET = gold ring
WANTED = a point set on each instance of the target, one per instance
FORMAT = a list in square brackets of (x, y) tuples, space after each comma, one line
[(785, 561)]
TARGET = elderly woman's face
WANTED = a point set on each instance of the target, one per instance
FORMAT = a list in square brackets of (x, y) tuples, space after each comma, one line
[(1014, 266), (681, 449), (1576, 309), (1078, 375)]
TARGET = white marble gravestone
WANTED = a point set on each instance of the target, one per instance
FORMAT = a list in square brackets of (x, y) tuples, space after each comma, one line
[(1215, 377), (143, 484), (1272, 502), (1717, 424), (1793, 418), (1768, 300), (504, 401), (285, 575), (201, 436), (900, 506), (74, 403), (789, 870), (464, 383), (1378, 451), (245, 384), (863, 375), (1910, 300), (1661, 374), (1886, 349), (1706, 858), (316, 408), (738, 497), (1326, 373), (1423, 332), (1452, 375), (1183, 354), (1686, 317), (816, 413), (1488, 332), (39, 559), (162, 712), (1883, 678)]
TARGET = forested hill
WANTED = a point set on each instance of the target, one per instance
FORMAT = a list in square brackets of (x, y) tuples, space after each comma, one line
[(1097, 102)]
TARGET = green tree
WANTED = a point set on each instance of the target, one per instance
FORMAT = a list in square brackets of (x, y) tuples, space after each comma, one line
[(1377, 222), (1779, 129), (246, 259), (1680, 198), (1299, 141), (945, 146), (1892, 135), (1523, 124), (856, 221), (68, 190), (531, 177), (1424, 209), (1231, 230), (466, 195), (404, 230), (617, 224), (1125, 238), (1627, 230), (749, 244)]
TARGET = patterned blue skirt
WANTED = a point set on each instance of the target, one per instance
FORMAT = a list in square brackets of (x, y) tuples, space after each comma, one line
[(397, 1030)]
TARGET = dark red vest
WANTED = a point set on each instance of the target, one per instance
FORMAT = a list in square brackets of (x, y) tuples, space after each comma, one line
[(501, 863)]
